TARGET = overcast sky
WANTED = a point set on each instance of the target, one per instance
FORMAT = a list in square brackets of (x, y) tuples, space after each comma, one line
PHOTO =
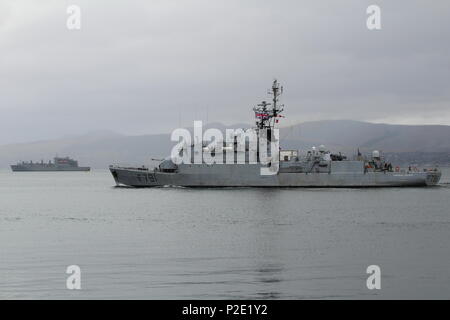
[(148, 66)]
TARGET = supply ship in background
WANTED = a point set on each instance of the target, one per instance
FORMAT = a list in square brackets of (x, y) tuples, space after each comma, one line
[(318, 167), (58, 164)]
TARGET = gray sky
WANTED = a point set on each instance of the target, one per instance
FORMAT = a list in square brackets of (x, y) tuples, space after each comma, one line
[(140, 66)]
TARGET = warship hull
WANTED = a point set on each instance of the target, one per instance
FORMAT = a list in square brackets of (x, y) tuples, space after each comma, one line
[(249, 176), (21, 168), (236, 163)]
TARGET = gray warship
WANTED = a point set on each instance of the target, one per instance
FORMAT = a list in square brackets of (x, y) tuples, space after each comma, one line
[(317, 167), (58, 164)]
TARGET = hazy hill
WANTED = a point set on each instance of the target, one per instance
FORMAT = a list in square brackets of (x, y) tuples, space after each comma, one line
[(369, 136), (99, 149)]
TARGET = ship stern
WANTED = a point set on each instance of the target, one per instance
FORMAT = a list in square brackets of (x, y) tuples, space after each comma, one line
[(433, 177)]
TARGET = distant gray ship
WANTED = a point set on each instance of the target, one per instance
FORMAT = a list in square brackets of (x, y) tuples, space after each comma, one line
[(317, 168), (59, 164)]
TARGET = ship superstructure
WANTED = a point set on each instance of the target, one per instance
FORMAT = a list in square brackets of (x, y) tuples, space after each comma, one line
[(58, 164)]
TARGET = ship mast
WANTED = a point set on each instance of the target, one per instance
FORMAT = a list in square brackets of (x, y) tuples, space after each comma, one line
[(267, 117)]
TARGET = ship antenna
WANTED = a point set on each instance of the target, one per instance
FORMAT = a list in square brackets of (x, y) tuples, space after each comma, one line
[(266, 118)]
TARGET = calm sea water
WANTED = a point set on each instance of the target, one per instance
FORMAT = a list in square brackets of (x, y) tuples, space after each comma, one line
[(175, 243)]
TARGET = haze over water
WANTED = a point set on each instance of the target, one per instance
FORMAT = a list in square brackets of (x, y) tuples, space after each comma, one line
[(232, 243)]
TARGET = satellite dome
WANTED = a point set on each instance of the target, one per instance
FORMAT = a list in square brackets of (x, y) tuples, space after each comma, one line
[(375, 154)]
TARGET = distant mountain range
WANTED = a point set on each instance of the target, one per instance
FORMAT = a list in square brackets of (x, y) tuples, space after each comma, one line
[(403, 143)]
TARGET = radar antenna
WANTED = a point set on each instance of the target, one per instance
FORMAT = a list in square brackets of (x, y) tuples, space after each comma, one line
[(267, 117)]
